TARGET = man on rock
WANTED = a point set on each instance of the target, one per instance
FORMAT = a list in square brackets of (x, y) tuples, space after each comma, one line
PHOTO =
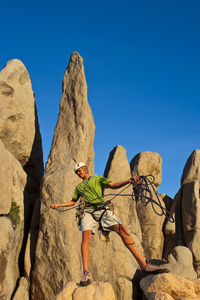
[(90, 191)]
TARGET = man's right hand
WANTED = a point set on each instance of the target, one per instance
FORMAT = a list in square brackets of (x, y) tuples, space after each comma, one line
[(54, 206)]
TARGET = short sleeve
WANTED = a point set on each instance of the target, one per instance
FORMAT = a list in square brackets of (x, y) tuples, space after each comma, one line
[(76, 194), (104, 181)]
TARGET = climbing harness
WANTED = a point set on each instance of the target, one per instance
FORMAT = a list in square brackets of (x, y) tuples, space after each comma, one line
[(141, 192), (102, 207)]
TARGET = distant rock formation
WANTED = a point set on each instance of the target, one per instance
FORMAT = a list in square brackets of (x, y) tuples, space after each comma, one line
[(180, 262), (150, 163), (118, 169), (21, 170), (13, 182), (186, 210), (191, 170), (40, 255), (58, 246)]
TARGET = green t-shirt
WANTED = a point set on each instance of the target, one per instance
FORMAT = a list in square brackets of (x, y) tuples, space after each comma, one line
[(93, 188)]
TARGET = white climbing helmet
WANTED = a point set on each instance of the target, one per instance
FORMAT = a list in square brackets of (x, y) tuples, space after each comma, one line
[(78, 166)]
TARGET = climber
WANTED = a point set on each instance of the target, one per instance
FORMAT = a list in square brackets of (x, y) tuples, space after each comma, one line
[(90, 190)]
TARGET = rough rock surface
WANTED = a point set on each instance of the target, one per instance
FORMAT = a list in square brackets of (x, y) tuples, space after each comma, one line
[(125, 266), (150, 163), (19, 128), (173, 232), (165, 285), (11, 233), (191, 219), (23, 290), (67, 291), (147, 163), (17, 125), (162, 296), (186, 210), (167, 200), (191, 170), (6, 180), (74, 132), (29, 255), (180, 262), (18, 113), (21, 161), (95, 291), (58, 258)]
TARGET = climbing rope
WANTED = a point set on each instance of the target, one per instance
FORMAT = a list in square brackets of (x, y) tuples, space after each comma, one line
[(141, 192), (144, 194)]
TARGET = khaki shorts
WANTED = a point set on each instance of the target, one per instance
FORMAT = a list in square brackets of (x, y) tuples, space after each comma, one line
[(88, 222)]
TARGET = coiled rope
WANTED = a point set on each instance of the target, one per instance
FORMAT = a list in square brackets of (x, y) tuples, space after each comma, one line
[(144, 193)]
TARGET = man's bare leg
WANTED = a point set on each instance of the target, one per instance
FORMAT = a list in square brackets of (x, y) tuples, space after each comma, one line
[(129, 243), (85, 248)]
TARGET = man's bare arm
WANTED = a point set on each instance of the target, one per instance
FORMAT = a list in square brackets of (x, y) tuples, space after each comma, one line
[(69, 203), (120, 184)]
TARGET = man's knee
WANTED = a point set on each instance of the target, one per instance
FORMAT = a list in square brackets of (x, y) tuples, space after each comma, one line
[(115, 228), (120, 229)]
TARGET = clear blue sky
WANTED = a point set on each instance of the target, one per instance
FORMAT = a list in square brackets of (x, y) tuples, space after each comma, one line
[(142, 66)]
